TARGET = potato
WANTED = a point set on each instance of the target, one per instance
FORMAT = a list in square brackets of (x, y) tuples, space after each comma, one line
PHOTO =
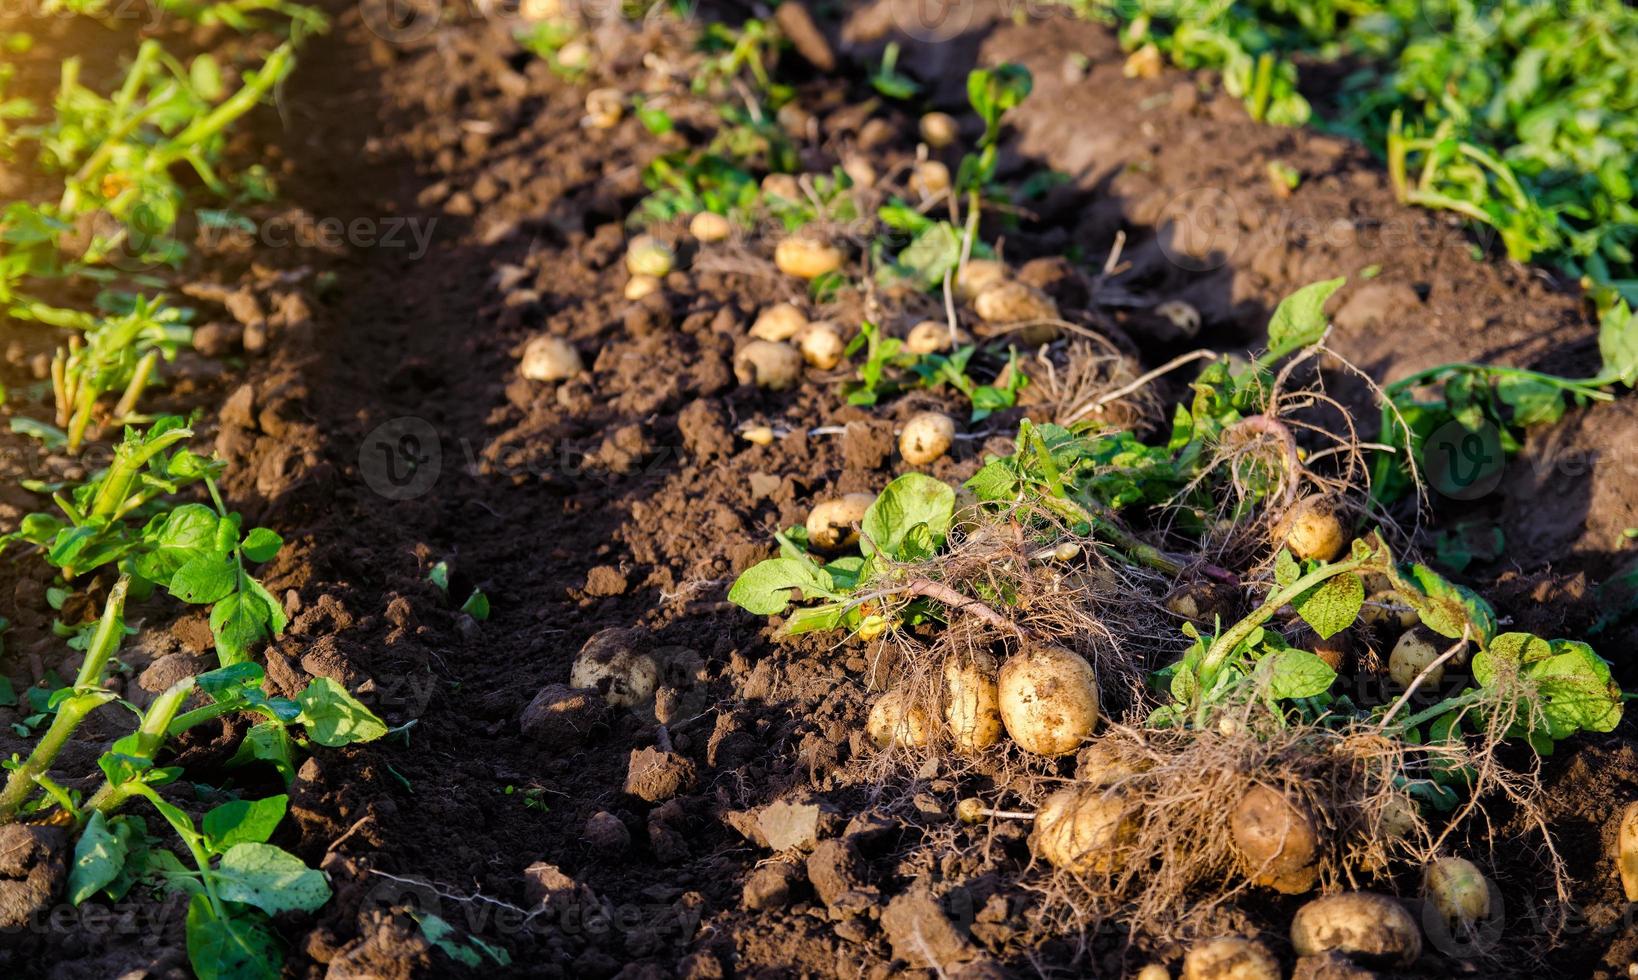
[(1363, 925), (610, 662), (604, 106), (1230, 958), (709, 226), (859, 170), (929, 179), (1277, 840), (1182, 316), (926, 437), (972, 702), (806, 258), (834, 524), (1626, 851), (768, 365), (781, 321), (761, 435), (782, 185), (549, 359), (822, 346), (1459, 890), (575, 56), (639, 286), (1101, 764), (939, 129), (928, 337), (1049, 699), (1336, 650), (895, 719), (1084, 828), (648, 256), (1153, 971), (1012, 302), (978, 275), (1313, 531), (1390, 610), (1201, 602), (1411, 655)]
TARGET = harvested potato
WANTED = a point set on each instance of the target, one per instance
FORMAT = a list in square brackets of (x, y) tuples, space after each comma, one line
[(939, 129), (859, 170), (1459, 890), (1230, 958), (1182, 316), (1411, 655), (1389, 609), (575, 56), (1277, 839), (834, 524), (895, 719), (604, 107), (1153, 971), (978, 275), (639, 286), (1336, 650), (1626, 851), (782, 185), (928, 337), (768, 365), (781, 321), (926, 437), (648, 256), (611, 662), (549, 359), (1084, 828), (930, 179), (1363, 925), (709, 226), (1014, 302), (822, 345), (1203, 602), (806, 258), (1101, 764), (1313, 531), (1049, 699), (761, 435), (972, 701)]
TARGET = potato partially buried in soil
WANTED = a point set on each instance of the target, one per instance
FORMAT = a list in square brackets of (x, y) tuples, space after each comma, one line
[(614, 662), (1373, 929), (1230, 958), (1049, 699), (768, 365), (1313, 530), (1080, 829)]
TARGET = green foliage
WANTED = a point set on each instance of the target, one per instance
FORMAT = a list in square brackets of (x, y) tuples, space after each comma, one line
[(1516, 114), (888, 369), (907, 522)]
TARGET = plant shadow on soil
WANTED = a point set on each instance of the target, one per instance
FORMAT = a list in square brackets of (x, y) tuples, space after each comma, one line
[(643, 506)]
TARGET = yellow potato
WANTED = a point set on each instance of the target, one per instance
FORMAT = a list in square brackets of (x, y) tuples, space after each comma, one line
[(896, 720), (806, 258), (926, 437), (972, 701), (1049, 699), (834, 524), (550, 359)]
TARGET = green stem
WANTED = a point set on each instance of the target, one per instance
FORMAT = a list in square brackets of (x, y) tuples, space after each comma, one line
[(156, 726), (20, 784), (127, 466), (1449, 704), (1585, 387), (1222, 647)]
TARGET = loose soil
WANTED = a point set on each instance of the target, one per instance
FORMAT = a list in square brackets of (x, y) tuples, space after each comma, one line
[(624, 499)]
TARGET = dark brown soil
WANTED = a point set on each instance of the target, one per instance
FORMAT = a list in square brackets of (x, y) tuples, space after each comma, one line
[(624, 499)]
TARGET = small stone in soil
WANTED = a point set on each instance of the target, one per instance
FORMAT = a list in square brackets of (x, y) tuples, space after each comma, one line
[(655, 775), (607, 834)]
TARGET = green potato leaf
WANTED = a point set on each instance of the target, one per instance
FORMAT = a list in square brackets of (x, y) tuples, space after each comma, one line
[(1298, 674), (1299, 320), (272, 879), (334, 717), (242, 821), (767, 587), (912, 501), (1333, 605), (239, 947)]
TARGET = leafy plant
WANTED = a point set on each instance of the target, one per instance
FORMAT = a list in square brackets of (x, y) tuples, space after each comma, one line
[(118, 354), (195, 552), (907, 522)]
